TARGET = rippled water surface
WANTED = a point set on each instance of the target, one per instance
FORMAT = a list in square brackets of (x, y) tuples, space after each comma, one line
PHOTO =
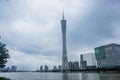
[(61, 76)]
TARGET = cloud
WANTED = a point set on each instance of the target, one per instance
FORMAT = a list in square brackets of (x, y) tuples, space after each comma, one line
[(96, 25), (30, 62), (32, 28)]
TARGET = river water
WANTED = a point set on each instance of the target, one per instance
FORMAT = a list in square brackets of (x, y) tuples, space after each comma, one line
[(60, 76)]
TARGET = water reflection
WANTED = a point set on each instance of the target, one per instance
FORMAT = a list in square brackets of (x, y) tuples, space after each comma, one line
[(65, 76), (109, 76), (89, 76), (61, 76), (70, 76)]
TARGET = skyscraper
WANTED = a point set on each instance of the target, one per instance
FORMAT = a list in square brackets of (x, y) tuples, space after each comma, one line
[(83, 63), (59, 67), (41, 68), (64, 48), (46, 68), (90, 58), (13, 68), (73, 65)]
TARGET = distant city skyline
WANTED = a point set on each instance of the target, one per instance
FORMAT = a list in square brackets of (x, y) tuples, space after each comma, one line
[(31, 29)]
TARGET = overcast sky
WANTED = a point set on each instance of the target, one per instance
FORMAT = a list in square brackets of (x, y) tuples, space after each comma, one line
[(31, 29)]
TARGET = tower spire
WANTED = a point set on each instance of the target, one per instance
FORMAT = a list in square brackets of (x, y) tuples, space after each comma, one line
[(63, 14)]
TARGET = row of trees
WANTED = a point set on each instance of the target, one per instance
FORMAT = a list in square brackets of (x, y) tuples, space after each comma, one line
[(4, 54)]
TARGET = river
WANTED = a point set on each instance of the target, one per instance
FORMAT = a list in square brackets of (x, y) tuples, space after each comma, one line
[(60, 76)]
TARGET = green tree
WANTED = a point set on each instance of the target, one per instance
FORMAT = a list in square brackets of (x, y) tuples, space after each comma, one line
[(4, 55)]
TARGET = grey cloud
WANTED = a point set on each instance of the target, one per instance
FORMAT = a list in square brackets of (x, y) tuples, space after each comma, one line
[(86, 29), (95, 26)]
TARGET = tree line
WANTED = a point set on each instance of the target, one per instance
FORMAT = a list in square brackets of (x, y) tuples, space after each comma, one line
[(4, 54)]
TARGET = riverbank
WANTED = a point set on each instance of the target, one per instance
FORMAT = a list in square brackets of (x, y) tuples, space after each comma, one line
[(98, 70), (3, 78)]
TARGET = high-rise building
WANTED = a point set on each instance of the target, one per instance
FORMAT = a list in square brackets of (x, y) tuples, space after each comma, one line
[(76, 65), (108, 55), (60, 67), (7, 69), (46, 68), (64, 48), (41, 68), (13, 68), (73, 65), (90, 58), (83, 63), (54, 67), (81, 58)]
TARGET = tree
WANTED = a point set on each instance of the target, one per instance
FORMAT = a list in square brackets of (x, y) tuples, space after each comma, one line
[(3, 55)]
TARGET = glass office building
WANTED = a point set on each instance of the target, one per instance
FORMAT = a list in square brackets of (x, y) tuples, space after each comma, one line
[(108, 56)]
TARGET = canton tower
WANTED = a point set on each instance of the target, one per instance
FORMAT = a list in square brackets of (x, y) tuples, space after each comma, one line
[(64, 48)]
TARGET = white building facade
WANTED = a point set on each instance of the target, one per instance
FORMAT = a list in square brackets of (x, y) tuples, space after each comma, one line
[(90, 59)]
